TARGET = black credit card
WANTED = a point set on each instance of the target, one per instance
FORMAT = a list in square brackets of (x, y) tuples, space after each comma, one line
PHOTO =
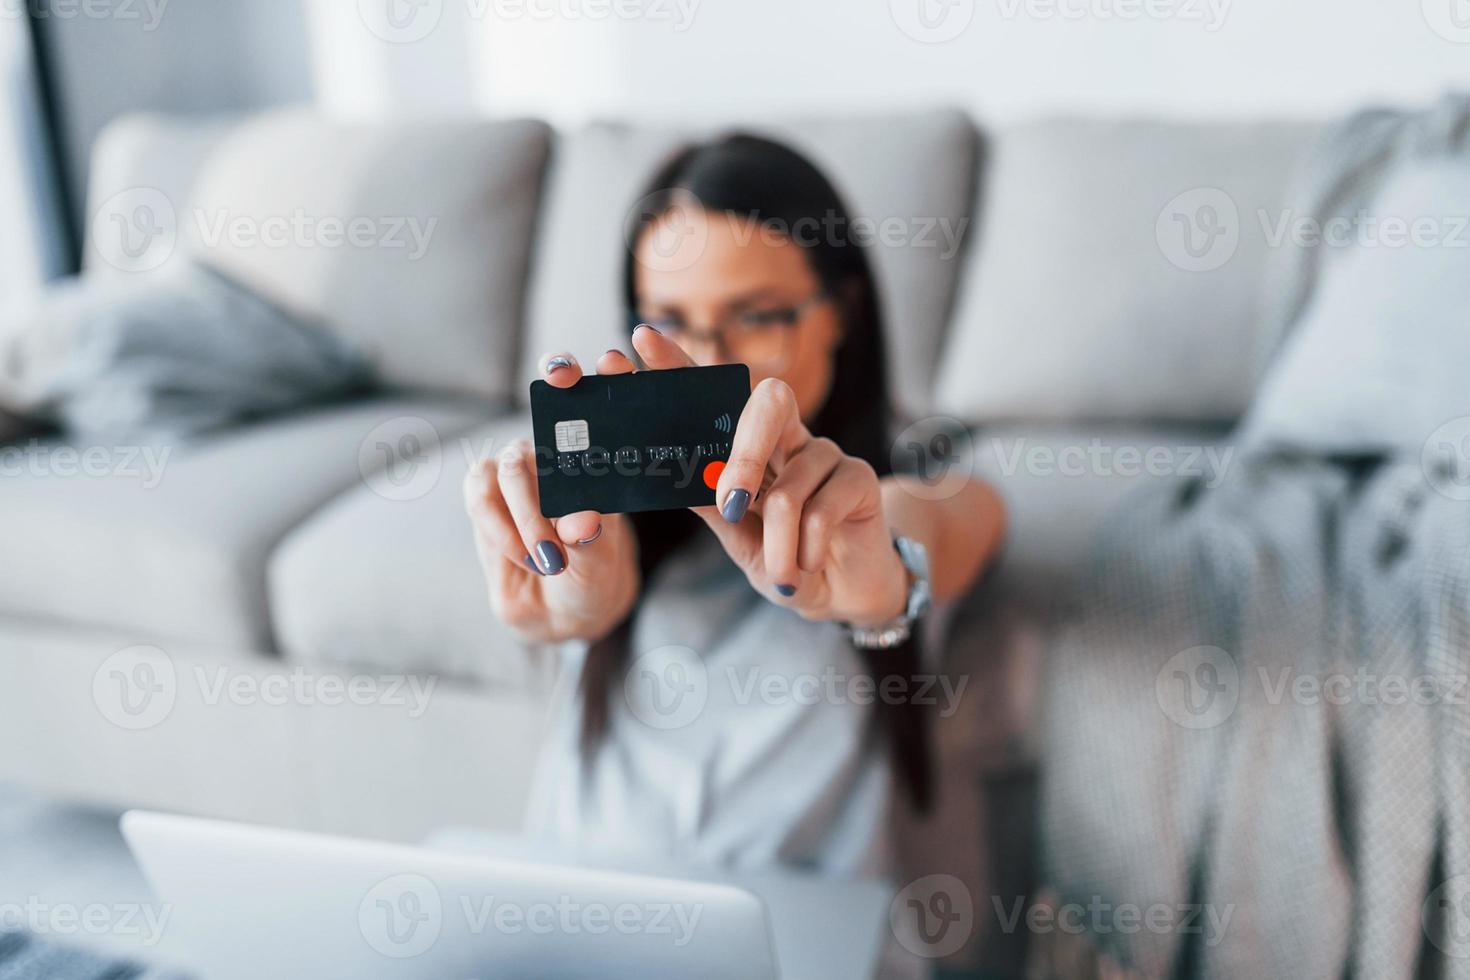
[(624, 443)]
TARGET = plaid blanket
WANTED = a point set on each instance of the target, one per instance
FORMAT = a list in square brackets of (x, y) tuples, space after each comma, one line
[(1256, 738)]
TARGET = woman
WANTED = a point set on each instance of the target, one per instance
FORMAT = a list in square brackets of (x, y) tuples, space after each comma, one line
[(730, 658)]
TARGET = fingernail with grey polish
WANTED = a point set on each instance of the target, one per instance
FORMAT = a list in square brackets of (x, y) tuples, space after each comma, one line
[(555, 363), (585, 541), (553, 562), (786, 591), (735, 506), (532, 565)]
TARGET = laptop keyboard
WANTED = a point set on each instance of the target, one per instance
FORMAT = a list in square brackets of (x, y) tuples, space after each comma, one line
[(25, 957)]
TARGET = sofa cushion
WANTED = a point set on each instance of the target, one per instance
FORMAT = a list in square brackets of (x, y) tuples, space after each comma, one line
[(1386, 322), (911, 177), (173, 541), (143, 168), (1083, 298), (395, 584), (411, 240)]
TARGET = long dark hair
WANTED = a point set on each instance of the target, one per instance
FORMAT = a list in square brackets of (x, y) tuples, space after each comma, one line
[(755, 179)]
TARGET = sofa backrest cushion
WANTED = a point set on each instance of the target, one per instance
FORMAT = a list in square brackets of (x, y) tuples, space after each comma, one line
[(410, 240), (1118, 270), (908, 181)]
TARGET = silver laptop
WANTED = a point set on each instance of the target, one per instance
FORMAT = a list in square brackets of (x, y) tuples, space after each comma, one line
[(253, 901)]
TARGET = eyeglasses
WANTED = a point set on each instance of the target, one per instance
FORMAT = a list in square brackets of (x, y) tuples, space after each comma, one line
[(759, 338)]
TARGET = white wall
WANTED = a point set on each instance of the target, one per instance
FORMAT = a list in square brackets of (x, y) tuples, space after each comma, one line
[(1016, 58), (176, 56)]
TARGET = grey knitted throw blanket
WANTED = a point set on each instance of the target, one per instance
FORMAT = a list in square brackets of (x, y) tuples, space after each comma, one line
[(1257, 731)]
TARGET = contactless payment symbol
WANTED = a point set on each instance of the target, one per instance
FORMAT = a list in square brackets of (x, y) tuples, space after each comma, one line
[(571, 436)]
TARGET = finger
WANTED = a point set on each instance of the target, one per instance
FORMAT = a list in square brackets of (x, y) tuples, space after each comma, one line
[(496, 535), (585, 527), (615, 362), (852, 490), (582, 528), (742, 542), (782, 507), (658, 352), (561, 370), (769, 423), (517, 471)]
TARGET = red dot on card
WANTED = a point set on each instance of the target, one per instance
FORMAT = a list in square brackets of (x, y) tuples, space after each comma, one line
[(712, 473)]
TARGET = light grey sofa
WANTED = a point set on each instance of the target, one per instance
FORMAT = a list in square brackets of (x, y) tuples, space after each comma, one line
[(1033, 291)]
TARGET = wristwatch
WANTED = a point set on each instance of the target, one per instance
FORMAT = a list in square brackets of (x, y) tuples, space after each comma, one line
[(915, 559)]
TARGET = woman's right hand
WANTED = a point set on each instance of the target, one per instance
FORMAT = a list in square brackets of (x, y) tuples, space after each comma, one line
[(568, 578)]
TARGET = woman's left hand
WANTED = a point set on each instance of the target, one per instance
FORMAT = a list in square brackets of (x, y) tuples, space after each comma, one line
[(801, 518)]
